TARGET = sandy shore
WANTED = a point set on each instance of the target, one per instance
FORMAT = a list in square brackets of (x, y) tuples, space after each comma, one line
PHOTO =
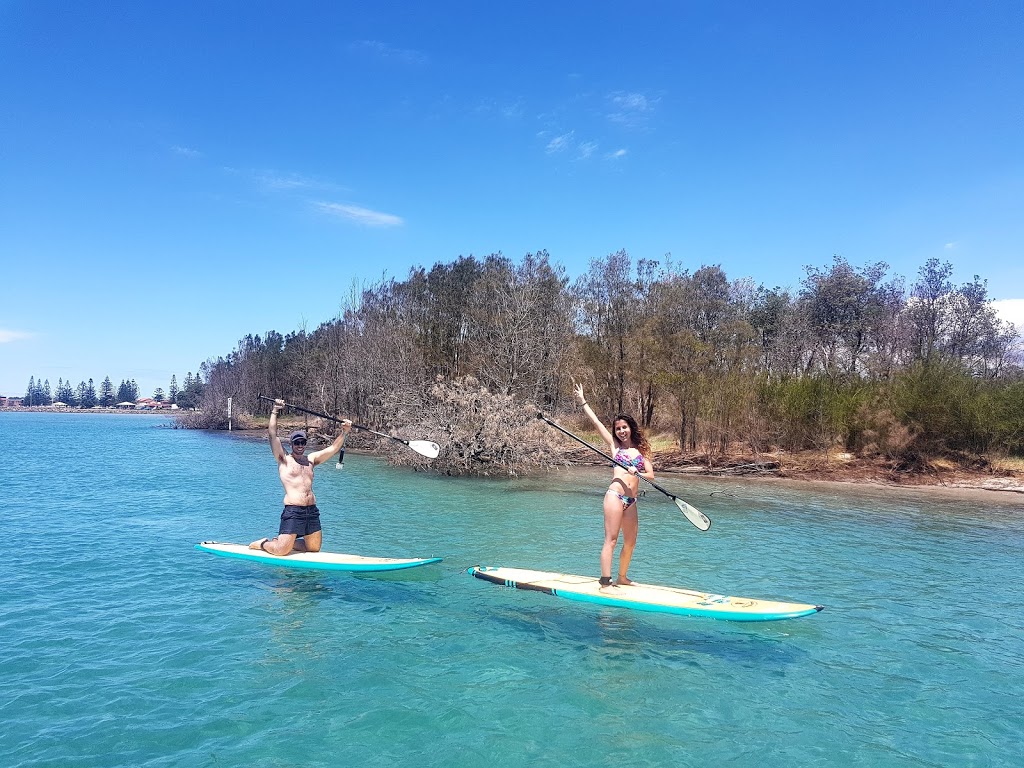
[(844, 470)]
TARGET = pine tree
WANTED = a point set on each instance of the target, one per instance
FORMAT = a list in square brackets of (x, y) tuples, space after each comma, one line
[(192, 394), (106, 393), (65, 393), (30, 393), (172, 392), (158, 394), (88, 398)]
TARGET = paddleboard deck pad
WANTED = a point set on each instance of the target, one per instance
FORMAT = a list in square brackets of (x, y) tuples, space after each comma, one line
[(315, 561), (644, 597)]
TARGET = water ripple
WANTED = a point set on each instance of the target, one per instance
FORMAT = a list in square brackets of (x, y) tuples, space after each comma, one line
[(123, 646)]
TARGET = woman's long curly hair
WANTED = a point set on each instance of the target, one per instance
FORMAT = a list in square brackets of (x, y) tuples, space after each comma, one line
[(638, 437)]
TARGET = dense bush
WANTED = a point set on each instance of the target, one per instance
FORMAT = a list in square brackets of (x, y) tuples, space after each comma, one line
[(461, 353)]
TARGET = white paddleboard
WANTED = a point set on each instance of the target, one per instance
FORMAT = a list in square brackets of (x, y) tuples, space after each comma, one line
[(645, 597), (316, 561)]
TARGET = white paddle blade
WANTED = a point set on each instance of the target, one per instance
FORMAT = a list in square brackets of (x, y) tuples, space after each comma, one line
[(425, 448), (694, 515)]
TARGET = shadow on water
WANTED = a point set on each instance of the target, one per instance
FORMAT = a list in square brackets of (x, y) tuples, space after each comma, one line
[(629, 635), (298, 589), (426, 574)]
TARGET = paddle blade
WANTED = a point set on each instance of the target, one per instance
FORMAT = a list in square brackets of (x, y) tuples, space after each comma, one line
[(694, 515), (425, 448)]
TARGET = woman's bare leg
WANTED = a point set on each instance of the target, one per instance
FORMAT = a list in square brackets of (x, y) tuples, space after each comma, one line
[(612, 525), (630, 528)]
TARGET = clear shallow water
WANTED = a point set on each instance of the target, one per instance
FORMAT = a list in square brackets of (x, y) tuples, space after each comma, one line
[(124, 646)]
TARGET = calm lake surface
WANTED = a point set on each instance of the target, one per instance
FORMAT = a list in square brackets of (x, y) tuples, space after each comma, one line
[(124, 646)]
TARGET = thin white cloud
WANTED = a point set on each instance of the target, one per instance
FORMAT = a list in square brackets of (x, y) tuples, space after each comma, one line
[(618, 154), (950, 246), (1012, 311), (560, 143), (630, 109), (8, 336), (361, 215), (276, 181), (567, 144), (506, 110), (388, 52), (512, 111), (186, 151), (634, 102), (284, 181)]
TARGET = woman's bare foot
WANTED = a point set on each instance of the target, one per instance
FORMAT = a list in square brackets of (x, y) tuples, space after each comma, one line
[(624, 581), (258, 544)]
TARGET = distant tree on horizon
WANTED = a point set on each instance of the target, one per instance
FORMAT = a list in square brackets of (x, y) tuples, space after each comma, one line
[(172, 392), (192, 393), (158, 394), (128, 392), (38, 393), (87, 395), (106, 393), (64, 393)]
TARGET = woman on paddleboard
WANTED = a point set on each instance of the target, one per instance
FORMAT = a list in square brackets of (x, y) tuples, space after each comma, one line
[(632, 453), (300, 521)]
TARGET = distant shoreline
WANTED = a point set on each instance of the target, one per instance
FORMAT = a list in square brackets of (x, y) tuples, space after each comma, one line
[(87, 411), (791, 470)]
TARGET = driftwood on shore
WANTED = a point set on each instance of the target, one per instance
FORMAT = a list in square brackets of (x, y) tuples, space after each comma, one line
[(727, 467), (746, 469), (678, 463)]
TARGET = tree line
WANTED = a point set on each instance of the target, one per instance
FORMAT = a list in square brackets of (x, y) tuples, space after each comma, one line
[(467, 352), (86, 395)]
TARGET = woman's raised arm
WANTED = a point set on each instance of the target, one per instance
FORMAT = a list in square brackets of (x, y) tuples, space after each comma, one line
[(601, 428)]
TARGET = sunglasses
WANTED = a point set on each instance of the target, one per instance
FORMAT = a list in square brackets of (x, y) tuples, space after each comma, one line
[(300, 441)]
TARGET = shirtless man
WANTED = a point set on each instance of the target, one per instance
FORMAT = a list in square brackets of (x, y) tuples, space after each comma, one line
[(300, 521)]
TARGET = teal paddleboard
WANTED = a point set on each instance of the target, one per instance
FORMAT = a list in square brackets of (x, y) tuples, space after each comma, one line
[(315, 561), (644, 597)]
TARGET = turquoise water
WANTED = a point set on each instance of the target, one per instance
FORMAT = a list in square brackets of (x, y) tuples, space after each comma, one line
[(124, 646)]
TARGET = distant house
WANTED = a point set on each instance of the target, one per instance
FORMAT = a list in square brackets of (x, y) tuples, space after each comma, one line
[(10, 402), (149, 404)]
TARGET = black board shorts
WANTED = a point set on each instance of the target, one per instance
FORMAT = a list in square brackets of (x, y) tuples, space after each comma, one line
[(300, 520)]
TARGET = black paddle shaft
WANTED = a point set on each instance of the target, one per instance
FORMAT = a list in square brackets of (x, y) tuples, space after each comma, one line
[(333, 418)]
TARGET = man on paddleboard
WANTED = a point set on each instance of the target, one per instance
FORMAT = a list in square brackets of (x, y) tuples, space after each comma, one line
[(300, 521)]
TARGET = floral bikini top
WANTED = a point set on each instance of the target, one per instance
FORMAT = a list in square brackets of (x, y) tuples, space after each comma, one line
[(623, 458)]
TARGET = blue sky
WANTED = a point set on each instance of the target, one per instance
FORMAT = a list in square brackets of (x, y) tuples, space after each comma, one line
[(174, 176)]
